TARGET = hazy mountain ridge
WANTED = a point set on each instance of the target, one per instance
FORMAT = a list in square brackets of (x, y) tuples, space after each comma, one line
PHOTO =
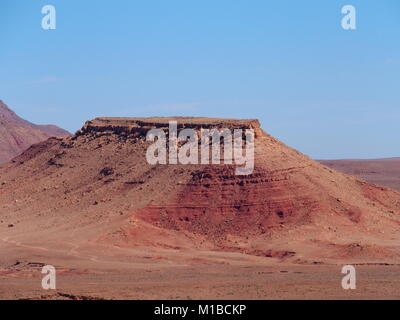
[(18, 134), (384, 171)]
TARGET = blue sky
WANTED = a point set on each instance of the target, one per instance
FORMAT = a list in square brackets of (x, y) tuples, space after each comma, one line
[(325, 91)]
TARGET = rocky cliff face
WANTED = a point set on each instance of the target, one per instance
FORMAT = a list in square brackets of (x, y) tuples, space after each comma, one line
[(140, 126), (17, 134)]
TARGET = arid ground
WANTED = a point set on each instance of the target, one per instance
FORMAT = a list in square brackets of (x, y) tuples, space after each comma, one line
[(168, 274), (116, 227), (385, 172)]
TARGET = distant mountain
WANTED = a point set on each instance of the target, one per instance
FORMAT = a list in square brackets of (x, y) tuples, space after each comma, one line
[(17, 134), (378, 171)]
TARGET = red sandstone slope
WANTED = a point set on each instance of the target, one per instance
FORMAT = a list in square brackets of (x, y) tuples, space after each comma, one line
[(96, 188), (18, 134)]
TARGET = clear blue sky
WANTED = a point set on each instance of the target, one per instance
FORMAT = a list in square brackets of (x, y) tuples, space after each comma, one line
[(327, 92)]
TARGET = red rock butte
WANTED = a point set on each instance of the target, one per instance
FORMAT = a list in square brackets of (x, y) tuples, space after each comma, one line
[(95, 188)]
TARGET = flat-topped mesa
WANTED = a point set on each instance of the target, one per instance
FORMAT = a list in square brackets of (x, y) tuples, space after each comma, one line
[(142, 125)]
